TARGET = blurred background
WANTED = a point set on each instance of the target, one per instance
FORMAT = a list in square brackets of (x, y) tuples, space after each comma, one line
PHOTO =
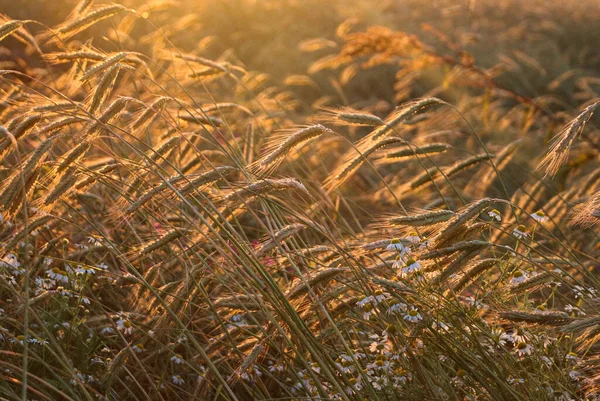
[(265, 34)]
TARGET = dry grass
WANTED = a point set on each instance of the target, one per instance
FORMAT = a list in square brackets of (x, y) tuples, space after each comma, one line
[(189, 215)]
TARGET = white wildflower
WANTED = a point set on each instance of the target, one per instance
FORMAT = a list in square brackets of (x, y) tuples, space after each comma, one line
[(495, 215), (397, 245), (539, 216), (518, 277), (520, 232), (413, 315), (58, 274), (411, 266), (138, 348), (522, 348), (124, 325), (83, 271)]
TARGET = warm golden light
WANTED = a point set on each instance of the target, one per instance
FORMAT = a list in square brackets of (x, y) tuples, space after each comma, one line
[(299, 200)]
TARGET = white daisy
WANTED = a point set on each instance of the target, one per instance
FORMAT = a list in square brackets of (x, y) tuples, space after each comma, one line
[(413, 315), (520, 335), (44, 283), (20, 339), (424, 243), (378, 382), (515, 380), (380, 345), (58, 274), (177, 359), (276, 367), (500, 337), (495, 215), (411, 266), (398, 263), (539, 216), (581, 292), (10, 279), (83, 271), (571, 356), (36, 341), (574, 310), (396, 245), (413, 238), (107, 331), (11, 261), (315, 367), (518, 277), (365, 301), (477, 304), (124, 325), (138, 348), (94, 241), (397, 307), (380, 296), (355, 385), (177, 380), (520, 232), (345, 364), (522, 348)]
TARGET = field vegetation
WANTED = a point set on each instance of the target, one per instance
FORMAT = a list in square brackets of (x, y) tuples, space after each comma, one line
[(299, 200)]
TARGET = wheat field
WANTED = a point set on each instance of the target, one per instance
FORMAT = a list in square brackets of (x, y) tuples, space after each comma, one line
[(299, 200)]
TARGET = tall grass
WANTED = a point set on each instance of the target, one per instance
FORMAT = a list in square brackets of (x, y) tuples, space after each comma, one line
[(177, 225)]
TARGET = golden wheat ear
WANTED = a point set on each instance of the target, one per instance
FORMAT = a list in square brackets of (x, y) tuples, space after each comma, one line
[(285, 142), (261, 188), (562, 142), (353, 161), (19, 32), (350, 116), (587, 214), (405, 152), (9, 27), (80, 23)]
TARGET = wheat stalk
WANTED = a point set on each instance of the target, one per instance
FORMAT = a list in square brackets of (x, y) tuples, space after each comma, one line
[(562, 142), (104, 88), (103, 66), (263, 187), (65, 57), (422, 219), (461, 219), (427, 149), (349, 116), (150, 112), (74, 27), (151, 246), (350, 166), (321, 277), (9, 28), (292, 142), (543, 318)]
